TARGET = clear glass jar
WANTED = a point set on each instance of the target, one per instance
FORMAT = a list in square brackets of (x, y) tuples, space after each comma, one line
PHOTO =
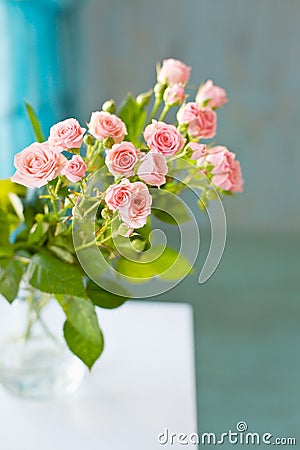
[(35, 362)]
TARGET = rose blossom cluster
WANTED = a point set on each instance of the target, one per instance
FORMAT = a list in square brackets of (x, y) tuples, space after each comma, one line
[(132, 200), (224, 168), (175, 75), (135, 165), (42, 162), (124, 160)]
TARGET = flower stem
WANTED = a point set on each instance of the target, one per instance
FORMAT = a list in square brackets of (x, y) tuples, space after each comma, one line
[(97, 240), (52, 199), (58, 184), (106, 239), (180, 155), (97, 149), (155, 108), (164, 112)]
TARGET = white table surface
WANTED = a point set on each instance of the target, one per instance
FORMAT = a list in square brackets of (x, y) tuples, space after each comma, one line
[(143, 384)]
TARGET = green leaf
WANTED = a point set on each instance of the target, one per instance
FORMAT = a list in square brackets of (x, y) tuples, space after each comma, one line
[(81, 347), (36, 126), (134, 116), (170, 265), (8, 187), (4, 230), (137, 272), (80, 312), (81, 330), (6, 248), (49, 274), (38, 233), (103, 298), (169, 208), (17, 205), (33, 205), (11, 272), (62, 254)]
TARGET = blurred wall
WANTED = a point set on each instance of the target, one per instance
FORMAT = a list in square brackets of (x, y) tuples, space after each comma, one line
[(249, 47), (34, 35)]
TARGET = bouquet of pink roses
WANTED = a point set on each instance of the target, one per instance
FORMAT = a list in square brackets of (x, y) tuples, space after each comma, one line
[(94, 189)]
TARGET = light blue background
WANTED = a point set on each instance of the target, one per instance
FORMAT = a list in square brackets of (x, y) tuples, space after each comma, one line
[(32, 55)]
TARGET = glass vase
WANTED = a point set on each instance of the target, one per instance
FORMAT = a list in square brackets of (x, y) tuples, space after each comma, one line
[(35, 361)]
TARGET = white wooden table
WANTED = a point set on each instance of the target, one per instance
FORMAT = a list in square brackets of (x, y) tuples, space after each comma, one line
[(143, 384)]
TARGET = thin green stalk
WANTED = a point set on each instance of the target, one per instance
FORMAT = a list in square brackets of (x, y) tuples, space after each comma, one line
[(47, 330), (52, 199), (155, 108), (180, 155), (106, 239), (97, 149), (84, 246), (58, 184), (164, 112), (96, 241), (30, 323)]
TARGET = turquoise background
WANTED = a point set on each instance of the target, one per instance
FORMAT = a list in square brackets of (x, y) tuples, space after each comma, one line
[(67, 58)]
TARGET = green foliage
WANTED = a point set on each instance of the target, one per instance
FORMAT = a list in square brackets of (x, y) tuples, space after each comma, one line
[(11, 272), (11, 207), (7, 187), (169, 208), (49, 274), (35, 123), (33, 206), (62, 254), (38, 233), (134, 116), (170, 265), (87, 351), (6, 248), (81, 329), (103, 298)]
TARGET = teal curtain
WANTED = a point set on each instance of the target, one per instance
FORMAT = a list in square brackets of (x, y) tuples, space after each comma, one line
[(31, 68)]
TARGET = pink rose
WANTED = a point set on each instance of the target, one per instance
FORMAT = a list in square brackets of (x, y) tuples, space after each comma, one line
[(205, 126), (74, 169), (118, 194), (173, 71), (188, 113), (211, 95), (230, 181), (103, 125), (163, 138), (202, 122), (134, 212), (122, 158), (217, 149), (153, 169), (174, 94), (237, 177), (227, 174), (37, 164), (66, 135), (199, 153), (222, 161)]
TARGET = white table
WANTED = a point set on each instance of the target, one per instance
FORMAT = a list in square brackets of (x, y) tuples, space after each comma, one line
[(143, 384)]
